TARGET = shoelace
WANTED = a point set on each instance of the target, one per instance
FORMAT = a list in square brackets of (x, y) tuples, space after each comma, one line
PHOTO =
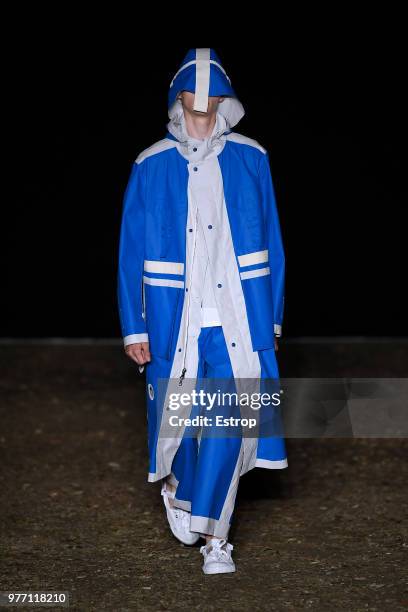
[(219, 549)]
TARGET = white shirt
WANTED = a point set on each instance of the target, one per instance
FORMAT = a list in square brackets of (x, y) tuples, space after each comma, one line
[(201, 273), (209, 310)]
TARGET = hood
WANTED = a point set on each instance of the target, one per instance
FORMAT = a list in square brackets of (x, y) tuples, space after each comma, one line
[(201, 73)]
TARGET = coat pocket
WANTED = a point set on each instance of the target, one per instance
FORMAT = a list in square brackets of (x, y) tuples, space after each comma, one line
[(249, 220), (158, 230), (161, 302)]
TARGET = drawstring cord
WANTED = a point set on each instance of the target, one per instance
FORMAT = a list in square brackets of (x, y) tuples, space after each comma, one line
[(184, 370), (143, 300)]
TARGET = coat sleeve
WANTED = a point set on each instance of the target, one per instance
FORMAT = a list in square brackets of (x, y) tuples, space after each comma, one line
[(131, 259), (275, 245)]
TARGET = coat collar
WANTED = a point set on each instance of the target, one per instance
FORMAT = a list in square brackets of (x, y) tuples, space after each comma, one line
[(204, 148)]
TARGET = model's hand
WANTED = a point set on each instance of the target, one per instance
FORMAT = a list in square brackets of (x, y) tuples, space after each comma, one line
[(138, 352), (276, 344)]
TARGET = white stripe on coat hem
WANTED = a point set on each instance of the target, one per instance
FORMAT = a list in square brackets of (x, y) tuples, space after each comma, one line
[(164, 267), (133, 338), (272, 465), (256, 257), (163, 282), (182, 503), (255, 273), (209, 526), (261, 463)]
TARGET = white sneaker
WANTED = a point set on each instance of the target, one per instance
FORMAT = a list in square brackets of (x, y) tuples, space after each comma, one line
[(217, 557), (179, 520)]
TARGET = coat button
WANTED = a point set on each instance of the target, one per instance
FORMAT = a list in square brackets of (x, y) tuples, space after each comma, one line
[(210, 227), (233, 344), (195, 149), (195, 168), (219, 285), (190, 230)]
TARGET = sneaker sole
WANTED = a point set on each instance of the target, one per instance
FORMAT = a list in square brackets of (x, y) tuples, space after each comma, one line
[(189, 543), (218, 568)]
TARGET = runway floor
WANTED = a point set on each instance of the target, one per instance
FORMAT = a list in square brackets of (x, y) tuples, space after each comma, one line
[(78, 515)]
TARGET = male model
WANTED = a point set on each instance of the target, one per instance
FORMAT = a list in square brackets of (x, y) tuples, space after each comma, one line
[(200, 292)]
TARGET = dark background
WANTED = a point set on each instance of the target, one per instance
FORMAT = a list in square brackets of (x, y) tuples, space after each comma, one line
[(328, 107)]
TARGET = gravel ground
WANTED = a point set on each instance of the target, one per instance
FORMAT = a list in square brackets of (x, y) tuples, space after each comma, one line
[(78, 515)]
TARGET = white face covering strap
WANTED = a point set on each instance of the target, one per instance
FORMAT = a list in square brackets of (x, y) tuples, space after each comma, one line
[(202, 80)]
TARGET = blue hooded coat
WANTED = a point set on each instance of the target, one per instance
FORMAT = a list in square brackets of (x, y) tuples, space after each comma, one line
[(230, 184)]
